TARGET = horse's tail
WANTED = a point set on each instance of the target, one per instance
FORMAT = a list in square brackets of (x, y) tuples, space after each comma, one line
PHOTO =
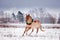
[(41, 28)]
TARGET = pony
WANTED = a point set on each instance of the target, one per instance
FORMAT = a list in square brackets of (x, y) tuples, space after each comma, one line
[(31, 24)]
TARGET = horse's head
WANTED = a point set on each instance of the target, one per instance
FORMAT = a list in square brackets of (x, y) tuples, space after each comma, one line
[(28, 16)]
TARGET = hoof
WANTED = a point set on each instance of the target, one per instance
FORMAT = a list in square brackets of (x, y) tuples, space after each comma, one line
[(43, 30), (22, 35)]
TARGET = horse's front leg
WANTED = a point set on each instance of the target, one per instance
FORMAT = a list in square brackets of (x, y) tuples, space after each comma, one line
[(26, 30)]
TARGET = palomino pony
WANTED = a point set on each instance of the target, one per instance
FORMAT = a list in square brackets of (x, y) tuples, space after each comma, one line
[(31, 24)]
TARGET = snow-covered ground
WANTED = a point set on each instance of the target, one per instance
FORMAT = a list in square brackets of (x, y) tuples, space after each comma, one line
[(16, 34)]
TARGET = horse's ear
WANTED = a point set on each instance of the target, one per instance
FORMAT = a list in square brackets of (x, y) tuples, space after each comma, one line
[(28, 14), (25, 14)]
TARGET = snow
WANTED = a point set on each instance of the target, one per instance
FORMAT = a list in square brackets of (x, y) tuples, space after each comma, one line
[(33, 11), (16, 34)]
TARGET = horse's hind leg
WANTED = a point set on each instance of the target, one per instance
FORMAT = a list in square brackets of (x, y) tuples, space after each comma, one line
[(37, 30), (26, 29)]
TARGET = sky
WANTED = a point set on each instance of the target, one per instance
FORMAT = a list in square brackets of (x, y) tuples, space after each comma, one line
[(5, 4)]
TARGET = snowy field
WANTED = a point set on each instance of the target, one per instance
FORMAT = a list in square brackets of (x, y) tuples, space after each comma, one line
[(13, 33)]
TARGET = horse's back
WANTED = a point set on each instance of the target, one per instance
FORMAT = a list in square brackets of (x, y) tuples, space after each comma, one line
[(35, 21)]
